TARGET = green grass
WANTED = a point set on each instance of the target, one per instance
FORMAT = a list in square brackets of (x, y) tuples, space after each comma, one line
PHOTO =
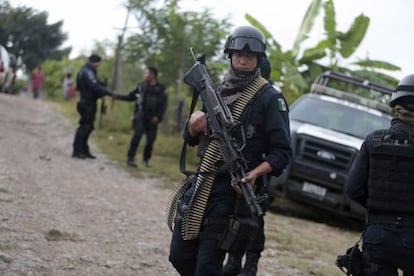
[(309, 247), (113, 133), (7, 246)]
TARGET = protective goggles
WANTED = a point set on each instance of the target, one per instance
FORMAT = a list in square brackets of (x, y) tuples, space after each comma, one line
[(239, 43)]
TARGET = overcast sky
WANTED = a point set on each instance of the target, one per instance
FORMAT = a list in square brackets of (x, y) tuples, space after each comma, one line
[(389, 37)]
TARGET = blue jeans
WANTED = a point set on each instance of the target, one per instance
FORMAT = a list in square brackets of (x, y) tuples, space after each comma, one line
[(390, 247)]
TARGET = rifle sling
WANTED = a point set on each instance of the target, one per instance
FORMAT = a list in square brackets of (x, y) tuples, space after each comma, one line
[(183, 154), (194, 214)]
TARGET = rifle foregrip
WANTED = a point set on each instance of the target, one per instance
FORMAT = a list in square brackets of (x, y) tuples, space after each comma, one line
[(251, 200)]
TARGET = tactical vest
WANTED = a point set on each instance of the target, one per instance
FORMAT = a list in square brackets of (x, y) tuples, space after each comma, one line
[(152, 98), (391, 173)]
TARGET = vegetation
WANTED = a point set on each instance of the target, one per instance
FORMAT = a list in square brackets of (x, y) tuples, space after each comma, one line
[(165, 34), (113, 134), (17, 26), (295, 69), (163, 40), (314, 253)]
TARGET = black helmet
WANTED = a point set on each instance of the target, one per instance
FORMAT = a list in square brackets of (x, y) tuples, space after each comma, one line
[(404, 91), (244, 36)]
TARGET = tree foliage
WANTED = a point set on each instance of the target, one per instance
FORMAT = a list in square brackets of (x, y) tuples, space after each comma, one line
[(25, 33), (295, 69), (166, 34)]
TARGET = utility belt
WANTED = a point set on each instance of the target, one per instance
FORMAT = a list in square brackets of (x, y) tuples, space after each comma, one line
[(399, 221)]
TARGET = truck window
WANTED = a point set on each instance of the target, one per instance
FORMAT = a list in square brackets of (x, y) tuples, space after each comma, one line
[(342, 118)]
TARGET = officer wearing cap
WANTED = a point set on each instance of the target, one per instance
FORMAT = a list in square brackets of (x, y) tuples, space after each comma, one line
[(381, 180), (267, 151), (90, 89)]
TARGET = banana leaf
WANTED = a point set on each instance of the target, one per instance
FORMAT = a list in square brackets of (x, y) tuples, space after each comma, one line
[(354, 36), (330, 26), (369, 63), (307, 24), (268, 36)]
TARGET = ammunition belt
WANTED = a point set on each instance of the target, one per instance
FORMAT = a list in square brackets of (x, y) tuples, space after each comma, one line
[(194, 214), (174, 199)]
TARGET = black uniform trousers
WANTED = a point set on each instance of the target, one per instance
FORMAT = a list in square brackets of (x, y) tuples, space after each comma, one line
[(87, 111), (142, 126), (257, 245), (390, 246), (262, 190), (202, 256)]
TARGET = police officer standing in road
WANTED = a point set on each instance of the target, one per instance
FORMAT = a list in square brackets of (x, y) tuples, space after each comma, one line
[(90, 89), (382, 181), (267, 151), (150, 98), (233, 265)]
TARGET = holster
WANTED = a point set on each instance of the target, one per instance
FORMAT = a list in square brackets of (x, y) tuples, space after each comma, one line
[(241, 229), (137, 121), (355, 262), (238, 234)]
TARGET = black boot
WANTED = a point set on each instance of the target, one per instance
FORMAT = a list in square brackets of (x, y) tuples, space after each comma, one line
[(89, 155), (131, 163), (233, 266), (250, 267)]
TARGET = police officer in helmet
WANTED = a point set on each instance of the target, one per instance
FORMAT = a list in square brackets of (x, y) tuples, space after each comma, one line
[(382, 180), (267, 151), (233, 265)]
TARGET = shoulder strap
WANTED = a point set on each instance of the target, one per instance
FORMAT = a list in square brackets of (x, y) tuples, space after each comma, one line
[(194, 214), (184, 148), (240, 105), (245, 116)]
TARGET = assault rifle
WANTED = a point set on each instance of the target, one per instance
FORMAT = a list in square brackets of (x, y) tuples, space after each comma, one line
[(103, 104), (223, 128)]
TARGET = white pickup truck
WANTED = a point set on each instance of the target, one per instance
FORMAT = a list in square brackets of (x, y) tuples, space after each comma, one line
[(7, 70), (328, 126)]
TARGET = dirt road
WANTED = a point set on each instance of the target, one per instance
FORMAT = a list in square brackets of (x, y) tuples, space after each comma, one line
[(64, 216)]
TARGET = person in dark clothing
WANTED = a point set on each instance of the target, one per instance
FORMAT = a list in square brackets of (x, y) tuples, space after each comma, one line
[(381, 180), (150, 99), (90, 90), (233, 265), (196, 248)]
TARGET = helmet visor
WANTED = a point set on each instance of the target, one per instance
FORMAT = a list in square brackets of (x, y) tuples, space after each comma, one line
[(239, 43)]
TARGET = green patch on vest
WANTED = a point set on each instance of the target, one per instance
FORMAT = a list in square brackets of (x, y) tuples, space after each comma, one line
[(281, 105)]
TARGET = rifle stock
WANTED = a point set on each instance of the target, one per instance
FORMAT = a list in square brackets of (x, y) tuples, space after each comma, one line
[(223, 128)]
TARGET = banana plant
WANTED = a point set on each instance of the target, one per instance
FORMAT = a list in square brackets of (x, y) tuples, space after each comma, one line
[(340, 46), (287, 65), (295, 70)]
